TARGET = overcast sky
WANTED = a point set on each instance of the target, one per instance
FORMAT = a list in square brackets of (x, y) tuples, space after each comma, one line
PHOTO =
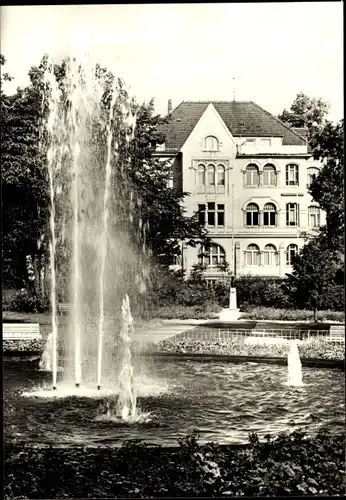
[(191, 51)]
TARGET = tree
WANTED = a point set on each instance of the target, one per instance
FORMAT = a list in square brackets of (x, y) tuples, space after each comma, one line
[(316, 282), (24, 183), (328, 187), (137, 173), (306, 112)]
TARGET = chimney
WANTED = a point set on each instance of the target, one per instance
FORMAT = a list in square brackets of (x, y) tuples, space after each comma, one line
[(169, 106)]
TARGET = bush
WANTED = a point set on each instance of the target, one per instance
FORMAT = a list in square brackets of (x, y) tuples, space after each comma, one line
[(23, 301), (28, 345), (256, 291), (308, 349), (185, 312), (273, 314), (288, 465)]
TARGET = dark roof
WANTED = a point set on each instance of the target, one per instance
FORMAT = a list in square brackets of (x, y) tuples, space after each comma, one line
[(302, 131), (242, 118)]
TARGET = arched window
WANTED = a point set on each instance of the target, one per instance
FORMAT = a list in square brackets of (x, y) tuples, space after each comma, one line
[(211, 175), (269, 214), (253, 256), (270, 255), (252, 175), (252, 215), (211, 143), (212, 256), (312, 174), (201, 174), (220, 175), (269, 175), (314, 216), (291, 252), (292, 175)]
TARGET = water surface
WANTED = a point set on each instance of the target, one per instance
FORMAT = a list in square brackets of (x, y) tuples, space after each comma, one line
[(222, 401)]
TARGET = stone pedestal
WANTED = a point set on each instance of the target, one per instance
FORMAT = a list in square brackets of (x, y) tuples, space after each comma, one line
[(232, 312), (232, 298)]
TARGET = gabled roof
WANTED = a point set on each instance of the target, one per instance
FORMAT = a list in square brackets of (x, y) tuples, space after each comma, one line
[(242, 118)]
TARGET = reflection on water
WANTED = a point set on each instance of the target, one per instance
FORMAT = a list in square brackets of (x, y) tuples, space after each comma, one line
[(223, 402)]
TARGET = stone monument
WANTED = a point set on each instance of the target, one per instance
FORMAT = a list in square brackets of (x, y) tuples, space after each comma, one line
[(232, 312)]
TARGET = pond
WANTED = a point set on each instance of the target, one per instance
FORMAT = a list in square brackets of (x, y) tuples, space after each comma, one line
[(223, 402)]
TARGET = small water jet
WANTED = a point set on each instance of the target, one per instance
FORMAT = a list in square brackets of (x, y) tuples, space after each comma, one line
[(294, 366), (126, 405), (46, 361)]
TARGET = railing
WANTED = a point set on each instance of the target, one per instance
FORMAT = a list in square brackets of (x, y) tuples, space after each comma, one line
[(240, 335)]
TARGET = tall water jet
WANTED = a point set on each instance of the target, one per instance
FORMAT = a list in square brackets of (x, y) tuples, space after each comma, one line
[(126, 405), (50, 81), (104, 238), (294, 366)]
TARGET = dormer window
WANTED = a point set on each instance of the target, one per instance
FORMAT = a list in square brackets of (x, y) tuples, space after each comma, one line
[(266, 142), (211, 143)]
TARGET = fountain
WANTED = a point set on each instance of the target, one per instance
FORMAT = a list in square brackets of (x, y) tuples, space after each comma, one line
[(294, 366), (90, 123)]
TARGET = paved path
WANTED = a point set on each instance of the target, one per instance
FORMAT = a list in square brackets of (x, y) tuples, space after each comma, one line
[(161, 330)]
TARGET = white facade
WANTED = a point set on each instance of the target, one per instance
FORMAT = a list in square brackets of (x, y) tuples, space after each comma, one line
[(251, 193)]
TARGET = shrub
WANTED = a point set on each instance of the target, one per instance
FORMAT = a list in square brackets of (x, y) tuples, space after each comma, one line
[(185, 312), (257, 291), (273, 314), (23, 301), (288, 465), (27, 345), (312, 349)]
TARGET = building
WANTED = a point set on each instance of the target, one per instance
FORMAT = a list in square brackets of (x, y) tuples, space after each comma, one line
[(247, 174)]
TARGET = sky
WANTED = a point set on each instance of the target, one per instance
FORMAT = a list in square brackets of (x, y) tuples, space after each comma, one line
[(265, 52)]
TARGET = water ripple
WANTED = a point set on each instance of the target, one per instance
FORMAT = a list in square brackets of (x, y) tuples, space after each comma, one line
[(223, 402)]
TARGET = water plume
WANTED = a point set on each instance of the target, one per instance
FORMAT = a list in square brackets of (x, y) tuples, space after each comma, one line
[(294, 366), (95, 252)]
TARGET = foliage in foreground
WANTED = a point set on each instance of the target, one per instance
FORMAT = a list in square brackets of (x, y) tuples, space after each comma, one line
[(288, 465)]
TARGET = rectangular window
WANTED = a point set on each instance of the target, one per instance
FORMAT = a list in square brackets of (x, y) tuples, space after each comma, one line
[(201, 214), (221, 215), (266, 142), (292, 178), (250, 142), (211, 214), (213, 217), (292, 214)]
